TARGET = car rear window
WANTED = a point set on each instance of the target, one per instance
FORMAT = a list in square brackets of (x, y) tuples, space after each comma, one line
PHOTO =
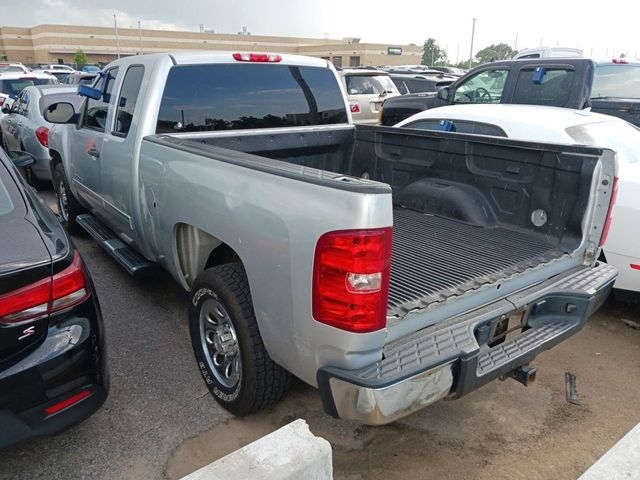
[(622, 81), (15, 86), (622, 137), (241, 96), (553, 90), (11, 68)]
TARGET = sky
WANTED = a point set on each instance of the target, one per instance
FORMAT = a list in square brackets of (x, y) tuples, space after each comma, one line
[(599, 28)]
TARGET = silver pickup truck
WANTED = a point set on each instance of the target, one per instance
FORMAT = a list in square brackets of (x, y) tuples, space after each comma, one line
[(388, 268)]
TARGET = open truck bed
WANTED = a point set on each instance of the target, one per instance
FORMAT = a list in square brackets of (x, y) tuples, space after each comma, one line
[(463, 206), (435, 257)]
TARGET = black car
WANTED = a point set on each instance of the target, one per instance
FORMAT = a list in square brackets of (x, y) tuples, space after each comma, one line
[(53, 370), (412, 83)]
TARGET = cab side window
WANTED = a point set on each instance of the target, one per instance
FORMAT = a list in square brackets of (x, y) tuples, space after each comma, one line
[(24, 104), (128, 99), (95, 111), (485, 87)]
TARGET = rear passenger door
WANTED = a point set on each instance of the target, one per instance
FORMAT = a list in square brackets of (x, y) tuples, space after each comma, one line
[(11, 131), (117, 149), (87, 145)]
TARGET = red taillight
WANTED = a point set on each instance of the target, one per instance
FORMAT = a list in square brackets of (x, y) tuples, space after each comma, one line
[(607, 223), (257, 57), (2, 99), (42, 134), (67, 402), (634, 266), (354, 106), (34, 301), (351, 279)]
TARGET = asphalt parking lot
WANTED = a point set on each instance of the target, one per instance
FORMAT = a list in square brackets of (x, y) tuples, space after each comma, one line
[(160, 421)]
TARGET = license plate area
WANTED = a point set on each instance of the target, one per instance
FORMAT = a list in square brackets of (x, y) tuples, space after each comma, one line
[(507, 327)]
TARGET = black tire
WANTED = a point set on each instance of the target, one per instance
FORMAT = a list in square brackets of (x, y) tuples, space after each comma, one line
[(73, 208), (261, 382)]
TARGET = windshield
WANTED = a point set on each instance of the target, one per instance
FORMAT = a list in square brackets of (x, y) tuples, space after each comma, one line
[(622, 137), (369, 85), (15, 86), (622, 81)]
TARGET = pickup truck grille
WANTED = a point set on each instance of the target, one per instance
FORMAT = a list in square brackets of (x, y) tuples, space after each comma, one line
[(435, 258)]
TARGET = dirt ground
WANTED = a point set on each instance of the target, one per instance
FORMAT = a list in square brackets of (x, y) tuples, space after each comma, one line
[(503, 430)]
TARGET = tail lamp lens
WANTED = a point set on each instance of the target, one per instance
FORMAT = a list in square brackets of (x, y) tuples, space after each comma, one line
[(49, 295), (351, 279), (42, 134)]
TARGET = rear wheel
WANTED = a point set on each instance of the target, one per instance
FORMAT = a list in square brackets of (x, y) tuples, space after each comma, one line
[(226, 341), (68, 206)]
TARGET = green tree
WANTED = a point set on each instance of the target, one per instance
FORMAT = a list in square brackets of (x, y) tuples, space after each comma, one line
[(432, 53), (500, 51), (80, 59)]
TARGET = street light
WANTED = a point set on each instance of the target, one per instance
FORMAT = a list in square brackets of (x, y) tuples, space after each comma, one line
[(473, 32), (115, 25), (140, 34)]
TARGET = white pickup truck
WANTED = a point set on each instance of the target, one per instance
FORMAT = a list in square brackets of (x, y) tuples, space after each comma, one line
[(389, 268)]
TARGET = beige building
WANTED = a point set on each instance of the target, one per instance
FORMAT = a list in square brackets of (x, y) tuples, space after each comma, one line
[(45, 44)]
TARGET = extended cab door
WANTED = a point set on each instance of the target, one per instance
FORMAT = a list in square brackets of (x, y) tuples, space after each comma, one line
[(118, 151), (87, 145)]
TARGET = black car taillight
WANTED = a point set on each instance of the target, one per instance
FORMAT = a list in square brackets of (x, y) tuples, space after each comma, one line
[(31, 302)]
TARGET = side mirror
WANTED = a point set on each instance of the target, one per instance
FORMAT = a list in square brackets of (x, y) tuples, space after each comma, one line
[(61, 112), (87, 91), (21, 159), (6, 108), (443, 94)]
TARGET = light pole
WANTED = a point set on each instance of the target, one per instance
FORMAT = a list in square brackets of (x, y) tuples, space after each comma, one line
[(473, 32), (140, 34), (115, 25)]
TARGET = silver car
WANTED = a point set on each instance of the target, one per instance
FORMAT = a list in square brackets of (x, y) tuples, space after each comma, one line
[(24, 128)]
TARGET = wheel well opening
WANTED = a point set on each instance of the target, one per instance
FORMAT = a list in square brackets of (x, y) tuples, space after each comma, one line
[(198, 250)]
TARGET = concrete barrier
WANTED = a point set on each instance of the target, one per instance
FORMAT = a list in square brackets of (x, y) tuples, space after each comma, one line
[(291, 452), (622, 461)]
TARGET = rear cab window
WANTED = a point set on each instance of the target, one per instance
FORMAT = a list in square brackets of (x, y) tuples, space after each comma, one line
[(459, 126), (15, 86), (544, 86), (621, 81), (128, 99), (232, 96)]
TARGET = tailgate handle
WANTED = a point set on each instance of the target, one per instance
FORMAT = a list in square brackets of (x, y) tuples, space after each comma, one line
[(94, 152)]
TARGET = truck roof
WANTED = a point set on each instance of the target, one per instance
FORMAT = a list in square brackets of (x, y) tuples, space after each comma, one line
[(203, 57)]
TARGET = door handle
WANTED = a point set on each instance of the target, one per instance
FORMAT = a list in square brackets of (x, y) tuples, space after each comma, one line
[(94, 152)]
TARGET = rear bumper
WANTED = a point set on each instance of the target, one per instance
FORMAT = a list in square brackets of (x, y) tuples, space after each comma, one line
[(453, 358), (70, 360)]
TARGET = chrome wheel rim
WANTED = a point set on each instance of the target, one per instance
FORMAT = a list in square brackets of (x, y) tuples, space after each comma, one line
[(62, 201), (220, 343)]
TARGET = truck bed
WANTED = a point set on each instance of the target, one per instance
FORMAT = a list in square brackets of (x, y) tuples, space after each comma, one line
[(462, 205), (435, 257)]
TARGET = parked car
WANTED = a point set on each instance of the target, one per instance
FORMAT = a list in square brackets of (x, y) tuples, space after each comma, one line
[(91, 69), (546, 52), (60, 75), (456, 72), (80, 78), (366, 90), (53, 371), (23, 127), (412, 83), (12, 83), (60, 68), (557, 125), (578, 83), (13, 67), (262, 199)]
